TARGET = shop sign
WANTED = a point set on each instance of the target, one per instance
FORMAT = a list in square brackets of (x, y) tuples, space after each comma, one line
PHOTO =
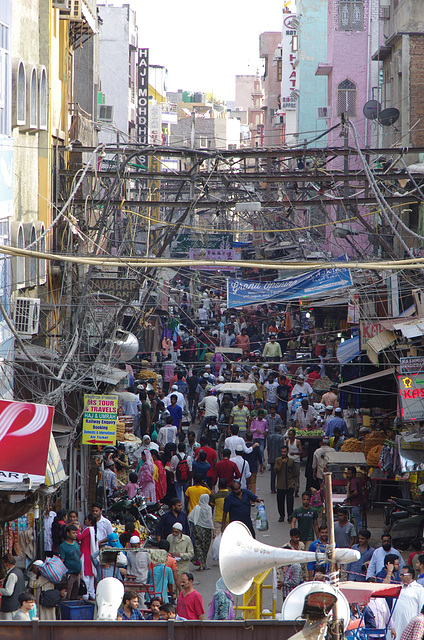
[(368, 331), (128, 287), (412, 365), (214, 254), (99, 419), (288, 63), (411, 394), (24, 440)]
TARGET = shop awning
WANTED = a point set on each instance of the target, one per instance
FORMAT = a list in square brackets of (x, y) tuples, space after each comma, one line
[(110, 375), (381, 341), (348, 350), (412, 329), (372, 376)]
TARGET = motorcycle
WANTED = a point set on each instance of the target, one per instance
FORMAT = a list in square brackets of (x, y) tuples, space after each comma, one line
[(147, 513), (405, 522)]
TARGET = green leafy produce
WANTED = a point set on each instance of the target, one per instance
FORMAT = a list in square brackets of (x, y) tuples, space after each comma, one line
[(316, 433)]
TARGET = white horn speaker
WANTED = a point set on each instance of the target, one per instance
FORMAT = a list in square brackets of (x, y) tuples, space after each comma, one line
[(241, 557)]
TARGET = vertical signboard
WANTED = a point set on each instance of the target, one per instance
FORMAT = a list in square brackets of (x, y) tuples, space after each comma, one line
[(288, 60), (143, 101)]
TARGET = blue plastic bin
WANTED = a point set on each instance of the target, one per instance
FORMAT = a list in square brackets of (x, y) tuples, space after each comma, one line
[(76, 610)]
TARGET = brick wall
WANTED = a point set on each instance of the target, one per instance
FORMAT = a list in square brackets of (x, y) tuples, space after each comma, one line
[(417, 88)]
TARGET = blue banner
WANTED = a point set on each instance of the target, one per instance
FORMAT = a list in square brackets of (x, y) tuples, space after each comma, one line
[(307, 285)]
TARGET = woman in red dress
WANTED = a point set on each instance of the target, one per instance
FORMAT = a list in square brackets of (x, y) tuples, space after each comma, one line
[(160, 483)]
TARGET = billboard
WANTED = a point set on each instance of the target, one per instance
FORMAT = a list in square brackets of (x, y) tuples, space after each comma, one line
[(24, 440), (314, 283), (411, 394), (186, 241), (99, 419)]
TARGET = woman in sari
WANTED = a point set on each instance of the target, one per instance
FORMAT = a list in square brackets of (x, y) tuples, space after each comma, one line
[(145, 476), (201, 517), (160, 482), (89, 545)]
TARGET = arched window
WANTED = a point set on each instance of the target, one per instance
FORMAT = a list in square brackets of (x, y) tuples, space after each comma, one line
[(21, 94), (33, 261), (351, 15), (43, 100), (33, 101), (346, 98)]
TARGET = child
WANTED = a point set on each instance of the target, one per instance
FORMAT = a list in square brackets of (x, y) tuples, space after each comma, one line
[(132, 485)]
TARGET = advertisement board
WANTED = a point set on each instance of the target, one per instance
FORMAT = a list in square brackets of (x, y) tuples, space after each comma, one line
[(99, 419), (24, 440), (411, 393), (214, 254), (314, 283)]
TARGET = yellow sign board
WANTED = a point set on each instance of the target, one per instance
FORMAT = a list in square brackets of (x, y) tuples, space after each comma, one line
[(99, 419)]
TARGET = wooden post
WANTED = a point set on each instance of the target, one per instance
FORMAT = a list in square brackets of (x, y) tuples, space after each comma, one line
[(335, 625)]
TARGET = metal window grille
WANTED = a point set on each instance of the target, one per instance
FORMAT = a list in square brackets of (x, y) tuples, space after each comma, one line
[(346, 98), (351, 15)]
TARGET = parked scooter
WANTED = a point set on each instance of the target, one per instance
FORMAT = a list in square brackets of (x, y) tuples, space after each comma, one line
[(405, 522)]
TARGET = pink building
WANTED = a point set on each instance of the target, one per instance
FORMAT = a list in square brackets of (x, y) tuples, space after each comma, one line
[(352, 79), (268, 47)]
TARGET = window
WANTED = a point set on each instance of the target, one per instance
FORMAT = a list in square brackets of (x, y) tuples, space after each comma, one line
[(346, 98), (21, 94), (4, 81), (42, 109), (33, 101), (18, 262), (351, 15)]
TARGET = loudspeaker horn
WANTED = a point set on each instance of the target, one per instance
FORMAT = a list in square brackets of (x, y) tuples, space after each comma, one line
[(270, 236), (241, 557)]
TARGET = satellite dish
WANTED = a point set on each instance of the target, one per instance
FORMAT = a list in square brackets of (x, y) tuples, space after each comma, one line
[(371, 109), (388, 116)]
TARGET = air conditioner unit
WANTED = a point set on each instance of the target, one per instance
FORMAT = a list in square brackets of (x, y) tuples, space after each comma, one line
[(277, 120), (385, 13), (61, 4), (323, 112), (75, 14), (27, 316), (106, 113)]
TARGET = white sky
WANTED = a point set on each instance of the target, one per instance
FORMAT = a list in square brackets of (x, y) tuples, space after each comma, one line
[(205, 44)]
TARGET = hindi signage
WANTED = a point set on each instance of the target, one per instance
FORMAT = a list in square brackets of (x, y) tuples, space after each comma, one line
[(99, 419)]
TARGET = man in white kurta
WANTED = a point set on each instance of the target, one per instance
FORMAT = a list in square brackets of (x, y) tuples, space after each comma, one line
[(410, 602)]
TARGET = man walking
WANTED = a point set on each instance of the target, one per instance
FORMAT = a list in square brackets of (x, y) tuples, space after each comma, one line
[(318, 546), (13, 586), (70, 553), (190, 602), (103, 525), (287, 481), (240, 417), (226, 468), (237, 506), (274, 443), (169, 518), (307, 519), (181, 548)]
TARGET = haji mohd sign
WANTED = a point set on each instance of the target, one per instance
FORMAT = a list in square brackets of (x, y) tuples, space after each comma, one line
[(143, 101), (411, 394)]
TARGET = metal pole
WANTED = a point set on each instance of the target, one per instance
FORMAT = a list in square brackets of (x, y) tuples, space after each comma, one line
[(331, 543)]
